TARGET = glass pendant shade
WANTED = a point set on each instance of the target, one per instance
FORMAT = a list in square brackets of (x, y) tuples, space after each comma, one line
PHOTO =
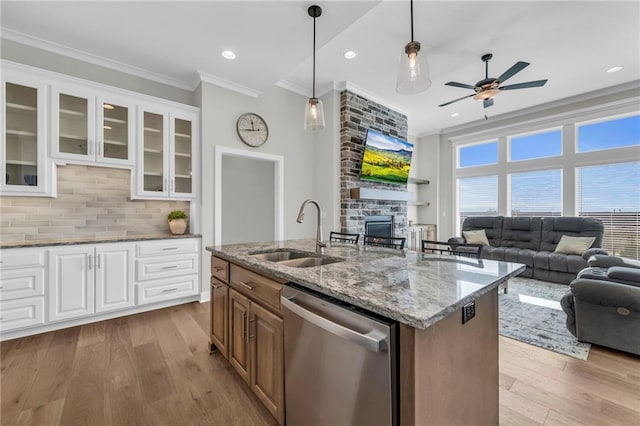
[(413, 70), (314, 115)]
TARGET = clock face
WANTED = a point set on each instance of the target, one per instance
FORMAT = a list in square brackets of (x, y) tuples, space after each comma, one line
[(252, 129)]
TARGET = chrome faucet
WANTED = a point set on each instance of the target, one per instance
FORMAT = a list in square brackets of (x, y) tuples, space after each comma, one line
[(320, 245)]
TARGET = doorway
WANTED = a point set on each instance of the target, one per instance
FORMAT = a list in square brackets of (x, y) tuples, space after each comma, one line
[(248, 196)]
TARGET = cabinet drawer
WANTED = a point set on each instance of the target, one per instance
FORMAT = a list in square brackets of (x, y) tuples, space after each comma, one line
[(157, 291), (23, 282), (160, 267), (21, 258), (220, 269), (167, 247), (256, 286), (21, 313)]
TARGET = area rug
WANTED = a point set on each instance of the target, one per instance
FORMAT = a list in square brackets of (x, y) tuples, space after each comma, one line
[(530, 312)]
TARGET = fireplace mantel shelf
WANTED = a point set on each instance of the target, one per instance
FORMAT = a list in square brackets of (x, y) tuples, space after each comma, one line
[(362, 193)]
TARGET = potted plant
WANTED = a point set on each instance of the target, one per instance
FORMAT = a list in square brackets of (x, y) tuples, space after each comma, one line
[(177, 222)]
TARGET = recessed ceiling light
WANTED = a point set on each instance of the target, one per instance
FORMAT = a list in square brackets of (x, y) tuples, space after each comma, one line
[(455, 114), (349, 54), (228, 54), (614, 69)]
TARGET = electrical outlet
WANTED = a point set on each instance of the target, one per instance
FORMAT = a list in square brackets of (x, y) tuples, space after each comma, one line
[(468, 311)]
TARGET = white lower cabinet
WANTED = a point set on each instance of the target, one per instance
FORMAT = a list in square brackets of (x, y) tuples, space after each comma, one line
[(54, 284)]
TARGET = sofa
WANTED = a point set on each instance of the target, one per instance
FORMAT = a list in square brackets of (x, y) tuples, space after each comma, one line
[(603, 304), (533, 241)]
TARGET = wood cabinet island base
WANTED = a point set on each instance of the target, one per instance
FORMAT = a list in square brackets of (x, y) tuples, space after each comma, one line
[(449, 371)]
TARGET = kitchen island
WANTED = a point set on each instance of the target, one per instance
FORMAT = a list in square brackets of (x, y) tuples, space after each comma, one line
[(448, 371)]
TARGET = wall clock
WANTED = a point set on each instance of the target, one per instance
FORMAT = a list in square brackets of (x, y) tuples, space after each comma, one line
[(252, 129)]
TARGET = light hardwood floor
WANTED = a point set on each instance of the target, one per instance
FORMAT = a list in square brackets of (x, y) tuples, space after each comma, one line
[(154, 368)]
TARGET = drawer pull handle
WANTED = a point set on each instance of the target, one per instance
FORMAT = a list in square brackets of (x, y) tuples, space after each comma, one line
[(170, 248), (218, 268), (248, 285), (170, 267), (216, 286), (169, 290)]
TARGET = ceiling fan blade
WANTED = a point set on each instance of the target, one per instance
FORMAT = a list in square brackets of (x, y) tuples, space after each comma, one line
[(526, 85), (487, 103), (456, 100), (519, 66), (462, 85)]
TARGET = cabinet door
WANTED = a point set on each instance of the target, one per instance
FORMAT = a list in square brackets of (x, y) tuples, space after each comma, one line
[(71, 282), (239, 334), (73, 123), (184, 135), (219, 315), (23, 136), (114, 277), (153, 128), (267, 360), (115, 130)]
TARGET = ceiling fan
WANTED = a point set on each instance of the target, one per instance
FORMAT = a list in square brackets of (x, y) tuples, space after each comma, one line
[(487, 89)]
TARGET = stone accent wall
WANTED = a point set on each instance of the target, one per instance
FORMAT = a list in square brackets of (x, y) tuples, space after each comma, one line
[(357, 114), (92, 202)]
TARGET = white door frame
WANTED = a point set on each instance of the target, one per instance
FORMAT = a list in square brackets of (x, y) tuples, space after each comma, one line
[(278, 186)]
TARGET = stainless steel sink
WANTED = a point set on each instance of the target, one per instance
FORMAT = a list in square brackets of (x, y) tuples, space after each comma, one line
[(280, 256), (308, 262), (296, 259)]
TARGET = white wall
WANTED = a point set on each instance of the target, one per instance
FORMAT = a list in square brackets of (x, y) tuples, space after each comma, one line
[(427, 153), (284, 114)]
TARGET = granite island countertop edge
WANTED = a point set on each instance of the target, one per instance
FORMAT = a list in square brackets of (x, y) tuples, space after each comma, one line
[(297, 276)]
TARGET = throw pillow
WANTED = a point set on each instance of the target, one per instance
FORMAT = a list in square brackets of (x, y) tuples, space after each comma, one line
[(574, 245), (476, 237)]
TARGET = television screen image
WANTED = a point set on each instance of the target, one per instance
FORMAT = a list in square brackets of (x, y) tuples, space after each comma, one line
[(386, 159)]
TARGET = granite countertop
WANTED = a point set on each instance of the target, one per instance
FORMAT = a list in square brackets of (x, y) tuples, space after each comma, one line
[(95, 240), (413, 288)]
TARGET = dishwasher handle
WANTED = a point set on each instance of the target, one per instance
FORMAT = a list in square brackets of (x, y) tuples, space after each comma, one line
[(373, 341)]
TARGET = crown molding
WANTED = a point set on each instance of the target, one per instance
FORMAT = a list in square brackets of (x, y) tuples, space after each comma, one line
[(292, 87), (80, 55), (226, 84)]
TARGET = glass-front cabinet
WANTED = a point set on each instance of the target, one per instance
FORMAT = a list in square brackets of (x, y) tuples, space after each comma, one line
[(167, 141), (23, 135), (90, 127)]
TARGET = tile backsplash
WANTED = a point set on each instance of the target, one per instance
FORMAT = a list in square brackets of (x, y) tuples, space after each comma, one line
[(92, 202)]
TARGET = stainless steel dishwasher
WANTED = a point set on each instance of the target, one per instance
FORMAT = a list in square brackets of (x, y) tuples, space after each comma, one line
[(340, 362)]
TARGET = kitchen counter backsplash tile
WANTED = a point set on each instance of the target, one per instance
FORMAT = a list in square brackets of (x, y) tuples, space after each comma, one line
[(92, 202), (414, 288)]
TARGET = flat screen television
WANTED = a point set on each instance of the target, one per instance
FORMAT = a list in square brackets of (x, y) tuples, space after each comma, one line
[(386, 159)]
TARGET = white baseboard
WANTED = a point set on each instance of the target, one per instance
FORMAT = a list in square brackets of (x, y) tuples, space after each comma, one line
[(205, 296)]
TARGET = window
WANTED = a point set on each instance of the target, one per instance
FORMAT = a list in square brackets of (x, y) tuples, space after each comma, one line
[(538, 145), (611, 193), (536, 193), (610, 134), (477, 196), (478, 155)]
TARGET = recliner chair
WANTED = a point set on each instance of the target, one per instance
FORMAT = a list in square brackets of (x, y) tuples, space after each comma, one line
[(603, 303)]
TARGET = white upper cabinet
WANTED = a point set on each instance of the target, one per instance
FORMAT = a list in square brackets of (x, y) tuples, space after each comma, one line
[(165, 163), (91, 127), (24, 133)]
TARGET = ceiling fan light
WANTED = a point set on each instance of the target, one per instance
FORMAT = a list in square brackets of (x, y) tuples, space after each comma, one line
[(413, 70), (486, 94), (314, 115)]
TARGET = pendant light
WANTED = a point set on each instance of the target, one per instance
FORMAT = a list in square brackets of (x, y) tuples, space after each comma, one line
[(413, 73), (314, 114)]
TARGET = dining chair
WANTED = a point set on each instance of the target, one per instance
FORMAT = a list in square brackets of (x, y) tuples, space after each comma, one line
[(342, 237), (389, 242)]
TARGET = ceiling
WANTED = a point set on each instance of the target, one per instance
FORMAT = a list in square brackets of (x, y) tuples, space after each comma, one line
[(569, 42)]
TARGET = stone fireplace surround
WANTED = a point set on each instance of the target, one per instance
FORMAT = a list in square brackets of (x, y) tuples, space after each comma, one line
[(357, 114)]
